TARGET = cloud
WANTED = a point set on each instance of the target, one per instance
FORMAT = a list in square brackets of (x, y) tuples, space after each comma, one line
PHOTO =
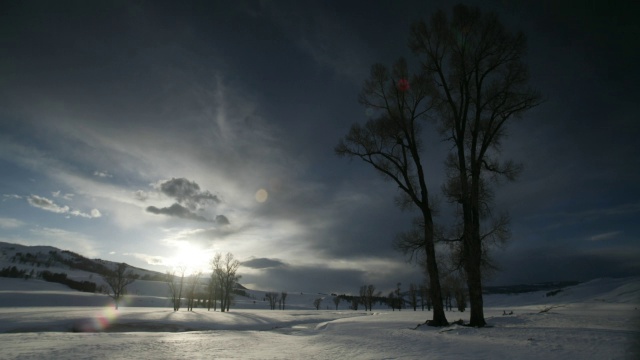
[(62, 239), (149, 259), (8, 223), (222, 220), (57, 194), (11, 196), (48, 205), (263, 263), (187, 193), (102, 174), (605, 236), (176, 210), (140, 195)]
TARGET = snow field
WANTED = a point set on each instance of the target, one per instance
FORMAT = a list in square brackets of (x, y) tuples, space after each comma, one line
[(599, 319)]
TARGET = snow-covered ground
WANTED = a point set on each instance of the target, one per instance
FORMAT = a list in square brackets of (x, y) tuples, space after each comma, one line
[(595, 320)]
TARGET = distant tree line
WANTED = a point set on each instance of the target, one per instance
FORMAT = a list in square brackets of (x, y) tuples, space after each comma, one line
[(417, 296), (61, 278)]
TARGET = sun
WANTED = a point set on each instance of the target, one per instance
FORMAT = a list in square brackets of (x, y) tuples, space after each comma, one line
[(193, 258)]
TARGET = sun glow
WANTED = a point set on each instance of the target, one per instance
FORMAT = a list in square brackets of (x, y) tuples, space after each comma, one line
[(192, 258)]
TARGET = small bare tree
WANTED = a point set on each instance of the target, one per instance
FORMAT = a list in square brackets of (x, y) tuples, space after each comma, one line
[(117, 280), (355, 303), (413, 296), (212, 292), (283, 298), (272, 298), (192, 288), (176, 284), (317, 302), (336, 301)]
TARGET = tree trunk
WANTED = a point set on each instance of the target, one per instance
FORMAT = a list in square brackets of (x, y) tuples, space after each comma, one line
[(473, 245), (439, 318)]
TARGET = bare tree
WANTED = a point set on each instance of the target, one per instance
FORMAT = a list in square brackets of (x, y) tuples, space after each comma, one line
[(212, 291), (176, 284), (363, 297), (423, 292), (317, 302), (272, 298), (225, 270), (481, 84), (192, 287), (391, 300), (336, 301), (391, 144), (399, 297), (367, 295), (283, 297), (355, 303), (117, 280), (413, 296)]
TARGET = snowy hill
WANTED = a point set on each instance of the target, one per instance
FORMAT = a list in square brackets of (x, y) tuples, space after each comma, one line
[(154, 292)]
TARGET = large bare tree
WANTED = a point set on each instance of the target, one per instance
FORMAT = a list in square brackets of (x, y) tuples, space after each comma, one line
[(391, 143), (480, 84), (118, 279), (225, 269)]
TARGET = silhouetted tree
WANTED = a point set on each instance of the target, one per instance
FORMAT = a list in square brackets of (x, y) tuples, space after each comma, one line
[(392, 301), (176, 284), (272, 298), (390, 142), (212, 291), (413, 296), (317, 302), (283, 297), (117, 280), (423, 291), (481, 84), (192, 287), (399, 298), (336, 301), (225, 270)]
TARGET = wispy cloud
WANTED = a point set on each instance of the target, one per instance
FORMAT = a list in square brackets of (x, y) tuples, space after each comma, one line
[(9, 223), (102, 174), (62, 239), (149, 259), (567, 218), (6, 197), (58, 194), (263, 263), (326, 40), (49, 205), (605, 236)]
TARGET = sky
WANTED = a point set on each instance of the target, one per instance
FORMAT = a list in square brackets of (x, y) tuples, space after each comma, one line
[(158, 133)]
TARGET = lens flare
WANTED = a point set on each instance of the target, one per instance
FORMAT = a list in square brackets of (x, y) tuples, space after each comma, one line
[(98, 323), (261, 195), (403, 85)]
